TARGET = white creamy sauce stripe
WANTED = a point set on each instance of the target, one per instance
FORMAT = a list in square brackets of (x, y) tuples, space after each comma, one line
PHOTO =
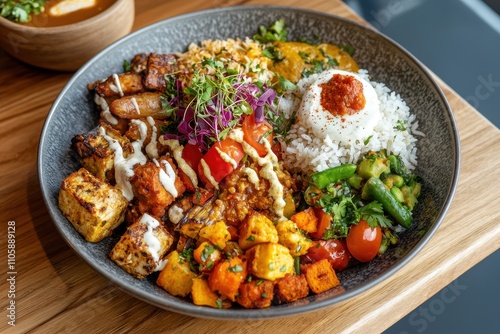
[(136, 106), (154, 244), (100, 101), (181, 163), (267, 171), (124, 167), (152, 148), (118, 85), (167, 177)]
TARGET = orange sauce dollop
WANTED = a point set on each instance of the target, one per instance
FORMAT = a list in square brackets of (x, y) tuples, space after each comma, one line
[(342, 95)]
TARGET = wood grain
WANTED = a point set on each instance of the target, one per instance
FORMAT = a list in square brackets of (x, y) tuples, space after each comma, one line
[(56, 292)]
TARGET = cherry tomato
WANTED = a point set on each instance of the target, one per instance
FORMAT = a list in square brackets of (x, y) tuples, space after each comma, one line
[(253, 133), (324, 222), (220, 168), (363, 241), (333, 250)]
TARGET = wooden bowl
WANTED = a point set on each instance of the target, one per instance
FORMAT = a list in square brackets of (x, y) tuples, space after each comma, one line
[(67, 48)]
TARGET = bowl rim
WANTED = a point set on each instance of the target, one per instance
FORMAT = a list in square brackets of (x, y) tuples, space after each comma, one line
[(246, 314), (63, 28)]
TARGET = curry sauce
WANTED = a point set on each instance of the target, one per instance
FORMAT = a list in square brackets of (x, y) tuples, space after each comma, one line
[(298, 59), (54, 16)]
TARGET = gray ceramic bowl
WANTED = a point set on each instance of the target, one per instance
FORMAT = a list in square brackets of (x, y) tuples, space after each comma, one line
[(438, 152)]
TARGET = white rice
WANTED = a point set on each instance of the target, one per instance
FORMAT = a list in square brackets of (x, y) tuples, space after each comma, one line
[(303, 152)]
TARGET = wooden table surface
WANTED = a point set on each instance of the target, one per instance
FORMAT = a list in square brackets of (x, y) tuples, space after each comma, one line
[(57, 292)]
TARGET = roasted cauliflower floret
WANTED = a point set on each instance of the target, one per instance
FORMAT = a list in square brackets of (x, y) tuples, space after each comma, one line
[(142, 246), (93, 206)]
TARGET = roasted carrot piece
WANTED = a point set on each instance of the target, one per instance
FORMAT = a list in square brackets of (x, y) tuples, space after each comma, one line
[(227, 277), (306, 220), (320, 276)]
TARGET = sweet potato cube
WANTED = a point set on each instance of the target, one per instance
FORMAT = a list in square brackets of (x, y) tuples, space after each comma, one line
[(227, 276), (320, 276), (255, 294), (93, 207), (291, 288), (142, 246), (257, 229), (176, 277), (306, 220), (203, 296)]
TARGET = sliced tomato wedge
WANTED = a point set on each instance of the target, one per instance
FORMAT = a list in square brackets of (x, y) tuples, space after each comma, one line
[(253, 133), (216, 159), (192, 155)]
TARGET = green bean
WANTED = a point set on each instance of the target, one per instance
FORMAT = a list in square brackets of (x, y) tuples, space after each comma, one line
[(332, 175), (377, 190)]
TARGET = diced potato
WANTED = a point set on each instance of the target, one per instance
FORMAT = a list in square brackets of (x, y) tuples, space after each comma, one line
[(227, 277), (120, 84), (207, 256), (216, 233), (306, 220), (93, 206), (292, 238), (270, 261), (320, 276), (158, 66), (176, 277), (142, 246), (291, 288), (203, 296), (139, 105), (255, 294), (257, 229)]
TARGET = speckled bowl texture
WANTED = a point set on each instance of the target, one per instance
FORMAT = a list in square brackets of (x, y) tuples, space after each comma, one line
[(438, 152)]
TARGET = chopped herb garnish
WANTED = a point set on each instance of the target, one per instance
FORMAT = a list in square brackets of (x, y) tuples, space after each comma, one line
[(126, 66), (236, 269), (21, 10), (400, 126), (285, 84), (206, 252), (259, 282), (349, 49), (271, 53), (263, 295), (271, 266), (218, 302), (276, 32), (251, 238), (367, 140)]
